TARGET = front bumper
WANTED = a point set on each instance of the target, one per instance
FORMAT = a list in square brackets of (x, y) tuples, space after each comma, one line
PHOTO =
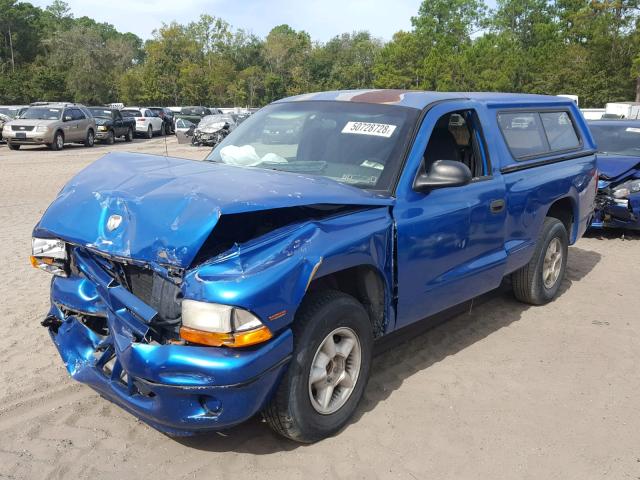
[(102, 135), (178, 389), (30, 138)]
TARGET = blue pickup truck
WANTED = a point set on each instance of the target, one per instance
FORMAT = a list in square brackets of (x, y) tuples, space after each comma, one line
[(197, 294)]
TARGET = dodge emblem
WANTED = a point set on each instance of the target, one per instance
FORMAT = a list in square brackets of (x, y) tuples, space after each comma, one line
[(114, 222)]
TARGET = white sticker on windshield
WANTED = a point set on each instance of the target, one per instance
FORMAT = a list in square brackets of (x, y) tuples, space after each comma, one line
[(634, 130), (365, 128)]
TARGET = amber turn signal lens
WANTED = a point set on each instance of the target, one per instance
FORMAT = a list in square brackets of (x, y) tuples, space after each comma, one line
[(234, 340)]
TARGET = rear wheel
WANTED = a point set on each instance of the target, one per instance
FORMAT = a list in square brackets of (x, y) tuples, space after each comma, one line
[(90, 139), (150, 132), (58, 141), (329, 370), (538, 282), (129, 136), (13, 146)]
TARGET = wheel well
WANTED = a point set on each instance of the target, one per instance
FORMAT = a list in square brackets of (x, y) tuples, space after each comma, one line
[(364, 283), (562, 209)]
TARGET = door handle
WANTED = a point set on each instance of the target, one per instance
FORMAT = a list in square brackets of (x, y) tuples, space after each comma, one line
[(497, 206)]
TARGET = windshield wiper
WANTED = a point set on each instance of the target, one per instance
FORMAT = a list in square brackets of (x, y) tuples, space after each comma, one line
[(310, 166)]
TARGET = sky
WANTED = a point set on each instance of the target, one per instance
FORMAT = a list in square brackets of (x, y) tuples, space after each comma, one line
[(322, 19)]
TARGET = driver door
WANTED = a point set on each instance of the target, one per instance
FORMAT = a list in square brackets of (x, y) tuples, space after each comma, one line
[(450, 240)]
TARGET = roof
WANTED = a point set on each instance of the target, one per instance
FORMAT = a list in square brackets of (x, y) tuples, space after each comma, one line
[(615, 123), (420, 99)]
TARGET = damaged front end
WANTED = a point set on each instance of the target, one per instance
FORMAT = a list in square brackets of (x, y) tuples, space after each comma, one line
[(617, 204), (176, 303)]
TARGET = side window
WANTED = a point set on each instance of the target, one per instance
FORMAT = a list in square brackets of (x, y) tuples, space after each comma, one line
[(117, 115), (457, 136), (523, 133), (560, 131), (77, 114)]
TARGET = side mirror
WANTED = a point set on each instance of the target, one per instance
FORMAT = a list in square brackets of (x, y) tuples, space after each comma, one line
[(443, 173), (67, 118)]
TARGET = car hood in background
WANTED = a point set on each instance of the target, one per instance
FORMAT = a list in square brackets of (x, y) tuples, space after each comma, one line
[(612, 166), (30, 123), (162, 209)]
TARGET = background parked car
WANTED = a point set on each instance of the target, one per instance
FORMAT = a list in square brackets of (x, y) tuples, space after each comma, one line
[(51, 124), (110, 124), (193, 114), (3, 119), (618, 200), (13, 111), (148, 122), (167, 118)]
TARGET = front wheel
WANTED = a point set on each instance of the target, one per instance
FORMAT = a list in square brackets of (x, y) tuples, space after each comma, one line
[(129, 136), (111, 138), (329, 370), (58, 142), (150, 132), (538, 282), (90, 139)]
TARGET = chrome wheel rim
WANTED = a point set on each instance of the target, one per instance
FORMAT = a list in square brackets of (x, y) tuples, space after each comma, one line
[(59, 141), (90, 138), (552, 263), (334, 371)]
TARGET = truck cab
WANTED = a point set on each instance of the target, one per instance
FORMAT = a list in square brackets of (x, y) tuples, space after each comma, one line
[(197, 294)]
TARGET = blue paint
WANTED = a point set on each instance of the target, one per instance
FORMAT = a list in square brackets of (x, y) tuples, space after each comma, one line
[(431, 251)]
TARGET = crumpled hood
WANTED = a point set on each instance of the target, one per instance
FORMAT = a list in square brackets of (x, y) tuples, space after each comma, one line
[(169, 206), (612, 166)]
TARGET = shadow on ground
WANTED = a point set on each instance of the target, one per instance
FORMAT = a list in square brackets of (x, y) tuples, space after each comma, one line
[(422, 345)]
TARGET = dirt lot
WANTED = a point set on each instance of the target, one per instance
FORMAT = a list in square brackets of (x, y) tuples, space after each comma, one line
[(503, 392)]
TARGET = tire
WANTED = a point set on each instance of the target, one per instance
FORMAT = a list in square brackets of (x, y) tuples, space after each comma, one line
[(150, 132), (531, 283), (111, 138), (13, 146), (129, 136), (90, 139), (291, 411), (58, 141)]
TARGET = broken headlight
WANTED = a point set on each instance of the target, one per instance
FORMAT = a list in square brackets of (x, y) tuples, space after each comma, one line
[(50, 255), (220, 325), (627, 188)]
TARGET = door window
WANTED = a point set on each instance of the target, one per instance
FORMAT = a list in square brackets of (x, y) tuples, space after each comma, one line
[(457, 136)]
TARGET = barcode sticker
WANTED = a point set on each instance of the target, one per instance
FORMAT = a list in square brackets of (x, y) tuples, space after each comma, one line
[(365, 128)]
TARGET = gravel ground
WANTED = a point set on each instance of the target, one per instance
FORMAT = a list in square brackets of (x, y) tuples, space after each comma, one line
[(505, 391)]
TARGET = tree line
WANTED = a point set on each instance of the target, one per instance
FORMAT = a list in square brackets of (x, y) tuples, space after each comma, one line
[(588, 48)]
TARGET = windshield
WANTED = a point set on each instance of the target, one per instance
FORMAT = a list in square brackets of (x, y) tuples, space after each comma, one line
[(100, 113), (617, 139), (9, 112), (359, 144), (42, 113), (131, 113)]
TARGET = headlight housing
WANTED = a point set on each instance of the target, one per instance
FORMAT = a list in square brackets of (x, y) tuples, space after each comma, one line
[(50, 255), (221, 325), (42, 128), (627, 188), (102, 128)]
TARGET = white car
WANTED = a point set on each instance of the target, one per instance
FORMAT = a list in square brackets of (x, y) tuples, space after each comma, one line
[(148, 122)]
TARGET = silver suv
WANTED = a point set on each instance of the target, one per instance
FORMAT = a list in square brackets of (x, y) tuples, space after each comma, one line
[(51, 124)]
